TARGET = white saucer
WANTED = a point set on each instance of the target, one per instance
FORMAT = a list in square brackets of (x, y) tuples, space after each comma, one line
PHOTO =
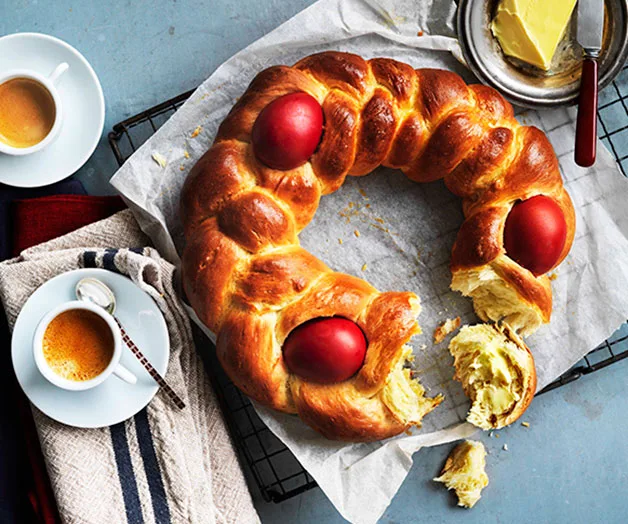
[(83, 105), (114, 400)]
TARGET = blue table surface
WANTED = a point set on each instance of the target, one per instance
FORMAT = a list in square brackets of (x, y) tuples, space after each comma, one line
[(570, 465)]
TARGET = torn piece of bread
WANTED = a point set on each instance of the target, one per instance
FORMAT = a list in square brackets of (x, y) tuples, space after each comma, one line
[(464, 472), (449, 326), (497, 373), (404, 396), (494, 299)]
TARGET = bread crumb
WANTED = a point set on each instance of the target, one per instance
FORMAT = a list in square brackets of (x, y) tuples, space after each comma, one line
[(552, 276), (186, 154), (525, 424), (420, 33), (340, 240), (196, 132), (181, 167), (363, 193), (380, 220), (496, 435), (445, 329), (465, 473), (364, 267), (160, 159), (505, 447), (356, 233)]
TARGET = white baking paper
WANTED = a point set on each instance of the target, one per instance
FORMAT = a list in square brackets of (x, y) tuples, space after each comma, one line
[(406, 231)]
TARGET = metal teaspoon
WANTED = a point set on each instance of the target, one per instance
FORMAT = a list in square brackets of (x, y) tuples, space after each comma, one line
[(95, 291)]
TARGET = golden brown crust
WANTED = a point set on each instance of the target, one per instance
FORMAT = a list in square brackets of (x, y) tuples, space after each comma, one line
[(247, 352), (208, 266), (389, 323), (448, 145), (471, 178), (341, 71), (410, 140), (276, 278), (337, 149), (249, 281), (255, 220), (398, 78), (340, 413), (537, 291), (376, 133), (479, 239), (441, 91), (299, 189), (213, 180), (492, 106)]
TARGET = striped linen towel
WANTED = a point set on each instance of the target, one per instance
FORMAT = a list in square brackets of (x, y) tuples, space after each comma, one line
[(164, 464)]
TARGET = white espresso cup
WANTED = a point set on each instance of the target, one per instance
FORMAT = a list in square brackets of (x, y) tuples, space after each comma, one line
[(114, 366), (50, 84)]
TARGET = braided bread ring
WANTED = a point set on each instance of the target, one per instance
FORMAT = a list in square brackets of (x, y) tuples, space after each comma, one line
[(251, 283)]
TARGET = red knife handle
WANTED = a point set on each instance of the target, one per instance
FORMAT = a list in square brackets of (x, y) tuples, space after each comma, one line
[(586, 125)]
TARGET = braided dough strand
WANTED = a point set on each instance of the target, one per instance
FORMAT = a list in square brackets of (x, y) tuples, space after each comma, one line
[(251, 283)]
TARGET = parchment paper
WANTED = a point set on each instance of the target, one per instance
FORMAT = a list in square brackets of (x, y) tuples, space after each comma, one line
[(406, 231)]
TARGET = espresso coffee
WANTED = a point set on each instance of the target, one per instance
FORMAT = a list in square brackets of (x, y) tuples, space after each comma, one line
[(78, 345), (27, 112)]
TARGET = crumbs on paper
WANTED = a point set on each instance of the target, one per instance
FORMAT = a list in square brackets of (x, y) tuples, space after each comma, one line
[(159, 159)]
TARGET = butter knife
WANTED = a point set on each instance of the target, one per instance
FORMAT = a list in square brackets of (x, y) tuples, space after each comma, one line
[(589, 36)]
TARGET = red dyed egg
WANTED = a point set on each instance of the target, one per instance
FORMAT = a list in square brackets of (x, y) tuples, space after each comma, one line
[(325, 350), (535, 234), (287, 131)]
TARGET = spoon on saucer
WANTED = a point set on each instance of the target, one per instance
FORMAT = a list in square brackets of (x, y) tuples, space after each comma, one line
[(97, 292)]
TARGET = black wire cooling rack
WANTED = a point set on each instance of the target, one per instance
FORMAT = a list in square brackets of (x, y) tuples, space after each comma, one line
[(274, 468)]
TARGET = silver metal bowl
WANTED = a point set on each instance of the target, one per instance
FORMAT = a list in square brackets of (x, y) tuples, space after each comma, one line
[(525, 85)]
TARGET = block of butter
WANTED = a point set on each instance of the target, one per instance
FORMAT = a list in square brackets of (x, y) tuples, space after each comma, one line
[(530, 30)]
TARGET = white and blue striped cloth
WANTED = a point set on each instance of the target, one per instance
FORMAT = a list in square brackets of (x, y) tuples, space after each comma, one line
[(163, 465)]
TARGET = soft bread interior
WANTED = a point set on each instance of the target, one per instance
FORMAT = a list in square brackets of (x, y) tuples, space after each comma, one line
[(497, 373), (403, 395), (496, 300), (464, 472)]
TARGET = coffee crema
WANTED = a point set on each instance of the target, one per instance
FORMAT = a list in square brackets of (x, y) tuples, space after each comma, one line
[(78, 345), (27, 112)]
